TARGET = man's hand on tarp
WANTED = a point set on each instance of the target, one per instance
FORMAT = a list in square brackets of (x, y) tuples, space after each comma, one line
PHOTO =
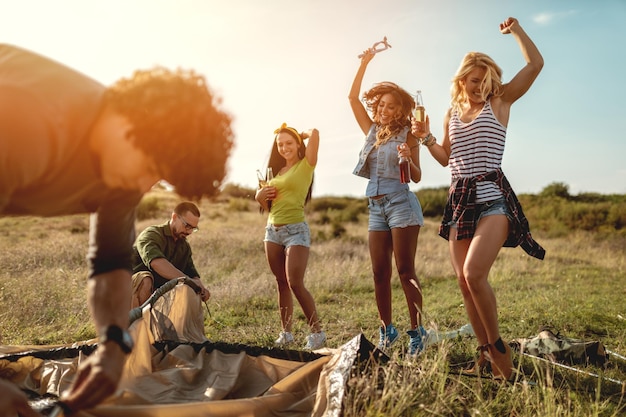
[(97, 378)]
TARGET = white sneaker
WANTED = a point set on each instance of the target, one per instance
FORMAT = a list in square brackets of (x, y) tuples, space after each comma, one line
[(315, 341), (284, 338)]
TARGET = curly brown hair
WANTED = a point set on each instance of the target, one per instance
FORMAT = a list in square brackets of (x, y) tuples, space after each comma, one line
[(401, 120), (177, 121)]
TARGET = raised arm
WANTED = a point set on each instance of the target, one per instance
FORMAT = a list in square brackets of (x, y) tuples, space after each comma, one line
[(522, 81), (312, 146), (359, 110)]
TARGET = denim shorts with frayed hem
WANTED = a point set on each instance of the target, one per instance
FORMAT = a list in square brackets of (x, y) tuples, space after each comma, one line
[(490, 208), (296, 234), (399, 209)]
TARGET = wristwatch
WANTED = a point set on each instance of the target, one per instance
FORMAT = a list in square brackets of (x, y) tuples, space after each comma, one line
[(116, 334)]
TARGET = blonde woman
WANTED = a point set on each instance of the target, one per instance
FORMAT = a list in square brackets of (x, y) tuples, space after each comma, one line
[(483, 213)]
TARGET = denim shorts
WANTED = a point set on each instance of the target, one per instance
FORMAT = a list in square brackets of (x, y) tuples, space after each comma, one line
[(296, 234), (490, 208), (493, 207), (399, 209)]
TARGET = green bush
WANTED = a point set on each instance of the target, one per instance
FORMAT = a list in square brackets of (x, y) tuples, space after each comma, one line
[(433, 200), (239, 204), (557, 214), (149, 207), (237, 191), (553, 210), (338, 209), (556, 189)]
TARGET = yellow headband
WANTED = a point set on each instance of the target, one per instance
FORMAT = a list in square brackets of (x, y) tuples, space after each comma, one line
[(293, 132)]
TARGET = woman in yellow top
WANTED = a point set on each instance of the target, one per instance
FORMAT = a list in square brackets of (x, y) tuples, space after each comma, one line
[(287, 235)]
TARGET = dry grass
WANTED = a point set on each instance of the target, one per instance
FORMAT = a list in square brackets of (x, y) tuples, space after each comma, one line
[(579, 290)]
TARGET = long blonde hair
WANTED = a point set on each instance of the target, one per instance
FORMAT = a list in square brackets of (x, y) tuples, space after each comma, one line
[(401, 119), (491, 85)]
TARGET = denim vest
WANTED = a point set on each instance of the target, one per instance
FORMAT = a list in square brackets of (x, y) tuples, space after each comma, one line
[(387, 166)]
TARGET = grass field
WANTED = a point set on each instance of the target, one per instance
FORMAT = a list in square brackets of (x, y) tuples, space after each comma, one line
[(578, 290)]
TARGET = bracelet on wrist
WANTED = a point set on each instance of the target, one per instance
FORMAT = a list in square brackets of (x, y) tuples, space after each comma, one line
[(425, 139), (428, 140)]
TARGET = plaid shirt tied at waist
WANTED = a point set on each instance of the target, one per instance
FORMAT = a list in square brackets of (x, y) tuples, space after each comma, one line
[(461, 207)]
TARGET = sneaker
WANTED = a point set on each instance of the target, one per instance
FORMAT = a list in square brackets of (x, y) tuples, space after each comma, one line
[(284, 338), (388, 335), (315, 341), (417, 341)]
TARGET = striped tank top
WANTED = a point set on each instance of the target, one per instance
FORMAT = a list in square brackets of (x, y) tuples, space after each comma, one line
[(477, 148)]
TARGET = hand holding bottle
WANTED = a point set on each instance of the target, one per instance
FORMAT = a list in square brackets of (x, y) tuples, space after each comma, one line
[(266, 192), (270, 191), (404, 160), (419, 113), (420, 124), (420, 129)]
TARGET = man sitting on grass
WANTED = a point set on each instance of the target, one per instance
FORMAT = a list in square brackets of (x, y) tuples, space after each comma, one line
[(162, 253)]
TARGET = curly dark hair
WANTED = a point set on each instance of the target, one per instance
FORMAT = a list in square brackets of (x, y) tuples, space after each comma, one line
[(177, 121), (403, 119)]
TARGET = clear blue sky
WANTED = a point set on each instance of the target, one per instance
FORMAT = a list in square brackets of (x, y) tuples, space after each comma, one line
[(277, 61)]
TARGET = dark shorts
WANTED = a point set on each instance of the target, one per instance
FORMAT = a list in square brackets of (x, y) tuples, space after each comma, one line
[(490, 208)]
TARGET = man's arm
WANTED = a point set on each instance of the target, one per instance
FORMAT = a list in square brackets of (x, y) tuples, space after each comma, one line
[(111, 233), (97, 377), (165, 269)]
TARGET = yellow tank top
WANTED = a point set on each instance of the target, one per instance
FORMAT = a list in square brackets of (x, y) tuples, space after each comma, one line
[(291, 190)]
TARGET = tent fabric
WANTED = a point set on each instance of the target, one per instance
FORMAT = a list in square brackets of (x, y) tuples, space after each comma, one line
[(175, 371), (558, 348)]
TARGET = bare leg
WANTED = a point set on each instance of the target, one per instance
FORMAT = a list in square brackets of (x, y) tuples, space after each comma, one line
[(276, 259), (297, 258), (458, 253), (404, 248), (380, 245), (484, 247), (475, 258)]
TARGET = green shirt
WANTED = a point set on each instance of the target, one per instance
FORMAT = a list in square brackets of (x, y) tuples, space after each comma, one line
[(158, 242), (291, 190)]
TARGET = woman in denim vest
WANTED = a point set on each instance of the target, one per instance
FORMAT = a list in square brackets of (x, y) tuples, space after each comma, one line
[(395, 214)]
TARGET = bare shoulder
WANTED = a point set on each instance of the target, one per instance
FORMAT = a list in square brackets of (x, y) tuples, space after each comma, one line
[(447, 116), (501, 109)]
